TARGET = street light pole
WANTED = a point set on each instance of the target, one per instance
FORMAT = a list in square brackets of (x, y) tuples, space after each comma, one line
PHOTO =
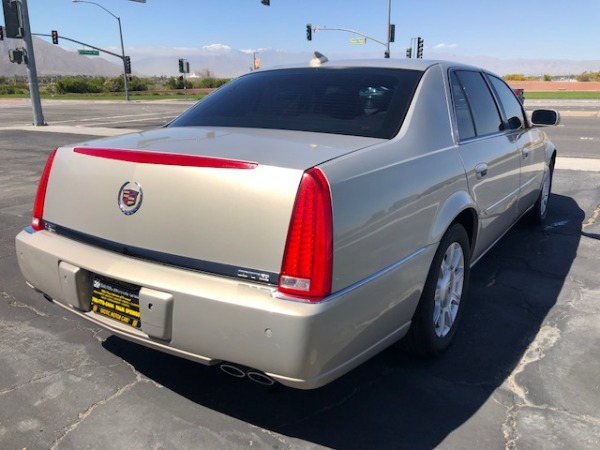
[(389, 29), (125, 79)]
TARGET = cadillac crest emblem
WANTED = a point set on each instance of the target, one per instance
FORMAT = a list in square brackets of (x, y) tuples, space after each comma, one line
[(130, 197)]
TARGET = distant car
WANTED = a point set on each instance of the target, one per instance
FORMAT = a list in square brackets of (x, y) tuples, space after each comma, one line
[(520, 93), (298, 220)]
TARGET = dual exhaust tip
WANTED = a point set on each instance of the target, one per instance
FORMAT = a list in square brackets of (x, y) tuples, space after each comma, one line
[(252, 374)]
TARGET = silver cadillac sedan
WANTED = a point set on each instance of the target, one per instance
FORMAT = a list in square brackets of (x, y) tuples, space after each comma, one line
[(298, 220)]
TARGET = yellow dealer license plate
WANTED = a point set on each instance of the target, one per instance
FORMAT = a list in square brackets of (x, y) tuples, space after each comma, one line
[(116, 299)]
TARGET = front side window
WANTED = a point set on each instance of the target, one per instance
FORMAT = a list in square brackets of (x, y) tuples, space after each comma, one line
[(486, 116), (366, 102), (510, 104)]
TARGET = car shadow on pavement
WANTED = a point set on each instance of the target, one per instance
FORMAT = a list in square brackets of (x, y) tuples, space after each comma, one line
[(396, 400)]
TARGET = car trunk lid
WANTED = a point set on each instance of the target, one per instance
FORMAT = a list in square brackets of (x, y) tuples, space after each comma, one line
[(212, 200)]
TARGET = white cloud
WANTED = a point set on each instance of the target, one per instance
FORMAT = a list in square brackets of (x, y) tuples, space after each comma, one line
[(176, 52), (217, 48), (249, 51), (444, 46)]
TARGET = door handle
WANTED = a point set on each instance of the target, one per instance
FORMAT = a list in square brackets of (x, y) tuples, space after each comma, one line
[(525, 153), (481, 170)]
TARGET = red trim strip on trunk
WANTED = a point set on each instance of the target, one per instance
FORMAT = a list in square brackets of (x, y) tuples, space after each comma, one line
[(165, 159)]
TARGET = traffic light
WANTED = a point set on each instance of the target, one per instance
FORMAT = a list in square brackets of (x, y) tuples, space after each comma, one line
[(54, 37), (13, 23), (392, 34), (266, 2), (127, 64), (308, 32), (181, 70), (1, 33), (420, 47), (17, 55), (409, 53), (187, 67)]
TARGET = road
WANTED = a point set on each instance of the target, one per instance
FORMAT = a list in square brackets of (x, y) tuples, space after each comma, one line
[(98, 114), (523, 373)]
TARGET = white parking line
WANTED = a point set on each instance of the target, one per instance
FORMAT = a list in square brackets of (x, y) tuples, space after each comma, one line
[(124, 118), (584, 164), (70, 129)]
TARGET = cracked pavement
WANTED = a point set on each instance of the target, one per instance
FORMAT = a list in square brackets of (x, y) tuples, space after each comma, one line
[(523, 373)]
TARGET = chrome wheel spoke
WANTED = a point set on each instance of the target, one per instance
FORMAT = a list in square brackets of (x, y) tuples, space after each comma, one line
[(545, 192), (448, 289)]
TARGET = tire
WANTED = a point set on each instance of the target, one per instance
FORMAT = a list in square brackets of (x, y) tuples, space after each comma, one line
[(537, 215), (442, 301)]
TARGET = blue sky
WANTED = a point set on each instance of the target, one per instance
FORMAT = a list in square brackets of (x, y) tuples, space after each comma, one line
[(532, 29)]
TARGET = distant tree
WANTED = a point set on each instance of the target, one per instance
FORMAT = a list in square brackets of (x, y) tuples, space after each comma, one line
[(547, 77), (115, 84), (177, 83), (172, 83), (211, 82), (138, 84), (77, 85), (585, 76), (515, 77), (7, 89)]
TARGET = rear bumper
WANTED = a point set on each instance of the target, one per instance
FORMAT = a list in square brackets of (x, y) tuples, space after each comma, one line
[(210, 319)]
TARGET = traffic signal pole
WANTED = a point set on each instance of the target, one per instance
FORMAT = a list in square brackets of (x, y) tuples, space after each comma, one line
[(310, 28), (36, 104), (391, 32), (80, 43)]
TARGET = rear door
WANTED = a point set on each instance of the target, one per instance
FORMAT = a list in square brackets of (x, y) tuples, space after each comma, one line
[(491, 157)]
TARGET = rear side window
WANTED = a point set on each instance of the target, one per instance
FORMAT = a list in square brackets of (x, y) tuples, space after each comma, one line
[(366, 102), (484, 112), (464, 118)]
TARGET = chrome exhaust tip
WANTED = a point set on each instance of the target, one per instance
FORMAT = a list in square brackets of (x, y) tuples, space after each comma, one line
[(232, 370), (260, 378), (253, 374)]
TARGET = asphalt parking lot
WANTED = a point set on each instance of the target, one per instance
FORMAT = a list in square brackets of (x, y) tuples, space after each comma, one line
[(523, 373)]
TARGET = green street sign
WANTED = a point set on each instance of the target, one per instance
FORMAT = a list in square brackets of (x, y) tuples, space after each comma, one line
[(358, 41), (89, 52)]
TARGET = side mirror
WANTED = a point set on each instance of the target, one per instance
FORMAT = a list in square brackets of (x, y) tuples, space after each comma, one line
[(545, 117)]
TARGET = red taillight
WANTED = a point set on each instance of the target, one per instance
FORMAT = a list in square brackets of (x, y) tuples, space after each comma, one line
[(165, 159), (307, 261), (37, 222)]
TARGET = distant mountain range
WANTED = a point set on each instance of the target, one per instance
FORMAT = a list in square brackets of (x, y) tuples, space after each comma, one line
[(225, 62), (51, 59)]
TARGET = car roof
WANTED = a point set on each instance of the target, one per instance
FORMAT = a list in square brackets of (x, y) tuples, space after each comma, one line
[(388, 63)]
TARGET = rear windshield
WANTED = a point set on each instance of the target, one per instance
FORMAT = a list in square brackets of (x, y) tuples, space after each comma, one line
[(353, 101)]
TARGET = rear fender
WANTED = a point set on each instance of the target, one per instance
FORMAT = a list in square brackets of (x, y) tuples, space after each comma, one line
[(452, 208)]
